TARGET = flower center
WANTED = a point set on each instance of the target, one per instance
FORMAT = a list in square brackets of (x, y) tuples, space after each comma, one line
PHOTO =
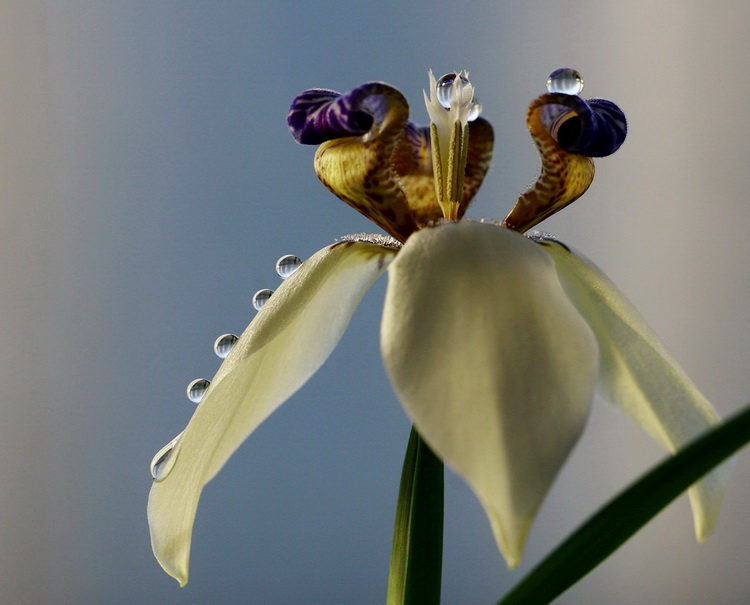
[(451, 105)]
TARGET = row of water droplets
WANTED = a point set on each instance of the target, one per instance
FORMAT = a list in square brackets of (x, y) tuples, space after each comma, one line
[(164, 459)]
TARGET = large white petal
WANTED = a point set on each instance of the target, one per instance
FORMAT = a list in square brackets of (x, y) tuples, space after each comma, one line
[(286, 343), (492, 362), (640, 377)]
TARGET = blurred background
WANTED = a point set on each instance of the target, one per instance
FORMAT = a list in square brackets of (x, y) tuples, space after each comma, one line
[(148, 186)]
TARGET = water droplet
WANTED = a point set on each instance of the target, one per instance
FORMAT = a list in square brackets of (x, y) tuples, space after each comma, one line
[(444, 89), (474, 110), (164, 460), (565, 80), (261, 297), (224, 344), (287, 265), (197, 389)]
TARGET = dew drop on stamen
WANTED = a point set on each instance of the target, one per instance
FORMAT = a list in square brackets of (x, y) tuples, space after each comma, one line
[(565, 80), (474, 110), (164, 460), (261, 297), (444, 89), (197, 389), (223, 344), (287, 265)]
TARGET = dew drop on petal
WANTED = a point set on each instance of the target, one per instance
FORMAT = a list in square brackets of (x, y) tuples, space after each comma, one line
[(261, 297), (444, 89), (164, 460), (197, 389), (287, 265), (565, 80), (224, 344)]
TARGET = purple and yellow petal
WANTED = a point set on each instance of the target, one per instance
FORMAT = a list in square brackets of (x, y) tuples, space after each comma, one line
[(568, 131), (358, 133)]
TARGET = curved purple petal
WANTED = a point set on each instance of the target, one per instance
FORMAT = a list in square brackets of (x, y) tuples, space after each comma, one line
[(318, 115), (592, 127)]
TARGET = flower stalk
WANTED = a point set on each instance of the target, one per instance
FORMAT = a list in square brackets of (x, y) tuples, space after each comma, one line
[(417, 553)]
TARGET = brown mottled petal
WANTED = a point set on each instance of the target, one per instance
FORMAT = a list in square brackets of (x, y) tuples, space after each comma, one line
[(412, 162), (564, 178), (478, 158)]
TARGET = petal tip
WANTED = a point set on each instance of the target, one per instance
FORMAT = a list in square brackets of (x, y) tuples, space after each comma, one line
[(510, 540)]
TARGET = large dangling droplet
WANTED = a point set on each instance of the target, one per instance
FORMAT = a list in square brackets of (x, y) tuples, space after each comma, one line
[(164, 460), (444, 89), (474, 110), (261, 297), (224, 344), (565, 80), (287, 265), (197, 389)]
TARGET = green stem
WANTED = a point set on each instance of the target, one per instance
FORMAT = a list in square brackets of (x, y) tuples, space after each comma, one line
[(608, 529), (417, 553)]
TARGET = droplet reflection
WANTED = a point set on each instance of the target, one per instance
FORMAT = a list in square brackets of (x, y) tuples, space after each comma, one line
[(261, 297), (444, 89), (197, 389), (287, 265), (224, 344), (565, 80), (164, 460), (474, 110)]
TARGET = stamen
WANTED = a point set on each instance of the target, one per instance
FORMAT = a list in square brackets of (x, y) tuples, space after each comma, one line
[(450, 105)]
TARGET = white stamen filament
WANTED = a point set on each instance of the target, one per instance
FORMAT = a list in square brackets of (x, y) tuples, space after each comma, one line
[(449, 135)]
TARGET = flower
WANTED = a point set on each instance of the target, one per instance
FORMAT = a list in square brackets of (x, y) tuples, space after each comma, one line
[(495, 342)]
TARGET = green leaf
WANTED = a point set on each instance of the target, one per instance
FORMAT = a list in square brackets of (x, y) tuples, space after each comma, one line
[(417, 554), (608, 529)]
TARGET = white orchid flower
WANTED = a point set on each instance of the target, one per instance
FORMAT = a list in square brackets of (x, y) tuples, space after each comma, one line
[(500, 389)]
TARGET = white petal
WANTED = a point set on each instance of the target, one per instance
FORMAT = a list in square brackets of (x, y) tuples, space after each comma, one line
[(494, 365), (287, 342), (640, 377)]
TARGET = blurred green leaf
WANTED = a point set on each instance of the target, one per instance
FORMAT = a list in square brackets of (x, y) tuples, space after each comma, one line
[(417, 554), (608, 529)]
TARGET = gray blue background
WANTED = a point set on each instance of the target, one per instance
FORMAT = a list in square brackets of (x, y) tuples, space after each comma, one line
[(148, 184)]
